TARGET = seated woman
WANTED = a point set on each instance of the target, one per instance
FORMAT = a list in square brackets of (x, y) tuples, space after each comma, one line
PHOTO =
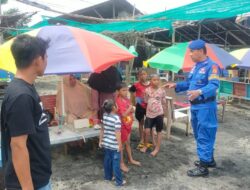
[(78, 102)]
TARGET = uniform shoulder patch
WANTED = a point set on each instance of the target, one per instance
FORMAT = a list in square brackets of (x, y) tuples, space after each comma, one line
[(213, 76), (215, 73), (214, 69)]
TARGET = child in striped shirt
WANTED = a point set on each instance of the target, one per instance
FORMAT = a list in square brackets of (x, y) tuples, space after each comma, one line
[(110, 140)]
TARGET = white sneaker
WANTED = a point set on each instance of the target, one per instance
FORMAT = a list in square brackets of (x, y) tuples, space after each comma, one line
[(123, 183)]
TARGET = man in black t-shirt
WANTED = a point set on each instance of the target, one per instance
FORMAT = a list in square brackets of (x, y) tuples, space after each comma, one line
[(24, 126)]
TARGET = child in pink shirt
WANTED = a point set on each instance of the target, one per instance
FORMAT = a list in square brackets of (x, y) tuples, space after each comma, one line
[(155, 98), (125, 111)]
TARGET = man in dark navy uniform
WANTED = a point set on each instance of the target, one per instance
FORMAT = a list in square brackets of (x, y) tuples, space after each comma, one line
[(201, 86)]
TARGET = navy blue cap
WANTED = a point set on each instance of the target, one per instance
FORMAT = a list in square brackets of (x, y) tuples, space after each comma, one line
[(197, 44)]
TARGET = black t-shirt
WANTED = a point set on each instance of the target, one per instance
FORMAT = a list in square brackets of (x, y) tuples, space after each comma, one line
[(132, 89), (22, 114)]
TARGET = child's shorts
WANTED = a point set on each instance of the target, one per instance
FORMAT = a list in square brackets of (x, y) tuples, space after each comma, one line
[(156, 122), (125, 132), (140, 112)]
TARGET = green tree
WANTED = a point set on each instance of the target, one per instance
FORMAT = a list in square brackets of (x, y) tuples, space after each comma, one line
[(21, 21), (1, 34), (11, 11), (3, 1)]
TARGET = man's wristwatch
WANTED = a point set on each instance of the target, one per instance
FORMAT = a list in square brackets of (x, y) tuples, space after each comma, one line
[(200, 91)]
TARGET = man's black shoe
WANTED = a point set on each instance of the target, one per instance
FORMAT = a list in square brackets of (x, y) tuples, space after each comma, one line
[(211, 164), (199, 171)]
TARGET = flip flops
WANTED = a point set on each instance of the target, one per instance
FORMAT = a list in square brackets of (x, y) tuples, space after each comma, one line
[(148, 145), (140, 145)]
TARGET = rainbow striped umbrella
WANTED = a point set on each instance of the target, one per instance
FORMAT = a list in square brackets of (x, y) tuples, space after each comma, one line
[(72, 50), (177, 57), (244, 56)]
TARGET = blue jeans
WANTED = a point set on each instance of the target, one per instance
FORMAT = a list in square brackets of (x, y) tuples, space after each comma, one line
[(112, 160), (46, 187)]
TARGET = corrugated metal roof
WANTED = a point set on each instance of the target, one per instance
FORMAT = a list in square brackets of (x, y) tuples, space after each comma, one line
[(63, 6)]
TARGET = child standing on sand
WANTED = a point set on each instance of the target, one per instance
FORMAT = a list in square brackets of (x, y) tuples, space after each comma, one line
[(110, 140), (125, 111), (155, 98), (139, 88)]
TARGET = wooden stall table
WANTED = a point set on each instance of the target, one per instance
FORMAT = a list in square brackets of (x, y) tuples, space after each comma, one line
[(68, 135), (90, 133)]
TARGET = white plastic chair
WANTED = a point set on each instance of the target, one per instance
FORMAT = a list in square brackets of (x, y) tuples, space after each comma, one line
[(173, 115)]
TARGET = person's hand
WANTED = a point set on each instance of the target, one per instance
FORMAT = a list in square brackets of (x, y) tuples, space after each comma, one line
[(119, 148), (100, 144), (193, 94), (53, 123), (170, 85), (131, 109)]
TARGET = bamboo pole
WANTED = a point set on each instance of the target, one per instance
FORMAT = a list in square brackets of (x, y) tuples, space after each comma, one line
[(130, 65), (173, 42), (62, 96), (199, 31), (1, 33)]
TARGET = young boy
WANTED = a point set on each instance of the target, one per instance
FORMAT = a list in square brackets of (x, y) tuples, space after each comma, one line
[(24, 125), (139, 88), (125, 111), (155, 98), (110, 140)]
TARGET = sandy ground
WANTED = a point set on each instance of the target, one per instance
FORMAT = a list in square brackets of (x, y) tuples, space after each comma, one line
[(81, 168)]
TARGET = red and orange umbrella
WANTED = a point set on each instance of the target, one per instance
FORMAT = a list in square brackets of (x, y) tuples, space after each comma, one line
[(72, 50)]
